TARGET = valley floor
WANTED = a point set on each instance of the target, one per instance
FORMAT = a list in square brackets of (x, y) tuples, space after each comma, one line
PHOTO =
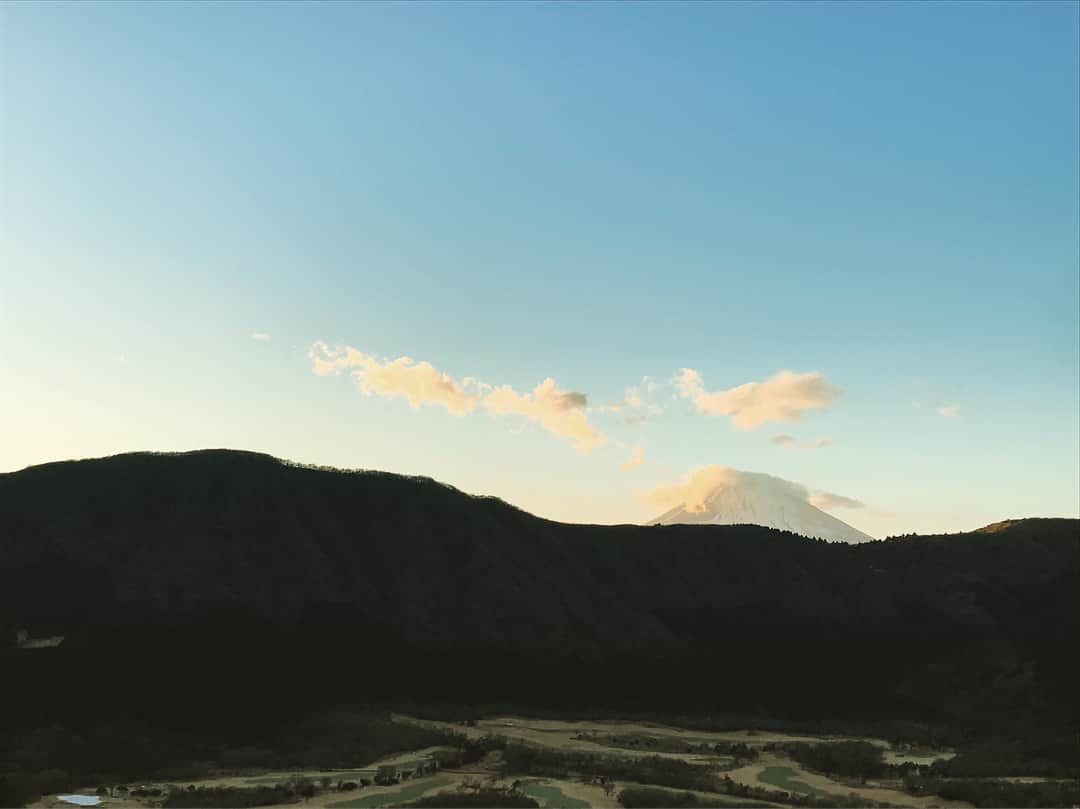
[(770, 770)]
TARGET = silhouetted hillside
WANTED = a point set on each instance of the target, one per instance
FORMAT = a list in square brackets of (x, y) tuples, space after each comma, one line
[(267, 583)]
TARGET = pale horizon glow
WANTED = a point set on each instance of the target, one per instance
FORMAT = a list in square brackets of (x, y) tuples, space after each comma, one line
[(637, 458)]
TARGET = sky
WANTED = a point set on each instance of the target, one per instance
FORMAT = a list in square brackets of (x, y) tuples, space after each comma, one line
[(560, 253)]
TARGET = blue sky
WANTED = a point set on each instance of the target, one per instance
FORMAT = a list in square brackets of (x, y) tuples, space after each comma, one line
[(885, 194)]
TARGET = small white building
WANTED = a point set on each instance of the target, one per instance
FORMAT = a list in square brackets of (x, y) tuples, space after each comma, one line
[(80, 800), (24, 641)]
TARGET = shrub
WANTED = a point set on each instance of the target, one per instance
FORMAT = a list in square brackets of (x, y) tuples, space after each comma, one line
[(228, 797), (651, 797), (485, 798), (857, 759), (988, 793), (667, 772), (19, 788)]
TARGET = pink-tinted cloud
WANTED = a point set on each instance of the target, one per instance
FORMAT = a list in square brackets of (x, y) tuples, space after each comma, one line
[(827, 501), (557, 411), (783, 398), (418, 382)]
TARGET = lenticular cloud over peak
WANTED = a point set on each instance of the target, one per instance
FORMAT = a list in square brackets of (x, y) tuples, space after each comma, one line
[(720, 495)]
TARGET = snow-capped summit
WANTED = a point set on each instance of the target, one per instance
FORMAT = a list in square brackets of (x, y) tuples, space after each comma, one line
[(718, 495)]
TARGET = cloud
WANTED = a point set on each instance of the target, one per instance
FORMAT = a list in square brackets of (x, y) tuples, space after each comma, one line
[(120, 359), (791, 443), (949, 411), (419, 382), (784, 397), (261, 336), (572, 399), (722, 495), (637, 458), (560, 412), (557, 411), (827, 501), (326, 361), (635, 402), (693, 490), (637, 395)]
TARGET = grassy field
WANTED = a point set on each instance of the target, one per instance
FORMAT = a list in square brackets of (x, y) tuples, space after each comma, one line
[(644, 742), (551, 797), (406, 793), (784, 778), (595, 735)]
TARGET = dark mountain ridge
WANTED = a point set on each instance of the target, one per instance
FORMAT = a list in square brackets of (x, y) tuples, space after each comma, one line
[(260, 577)]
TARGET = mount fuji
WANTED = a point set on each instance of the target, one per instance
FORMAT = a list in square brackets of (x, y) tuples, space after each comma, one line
[(718, 495)]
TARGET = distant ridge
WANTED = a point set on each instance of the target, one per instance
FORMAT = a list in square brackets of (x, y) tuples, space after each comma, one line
[(197, 582), (996, 527)]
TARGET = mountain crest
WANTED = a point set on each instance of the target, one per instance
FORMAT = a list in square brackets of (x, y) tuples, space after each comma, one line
[(723, 496)]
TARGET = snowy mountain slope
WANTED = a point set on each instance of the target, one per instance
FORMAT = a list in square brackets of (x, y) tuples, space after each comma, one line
[(722, 496)]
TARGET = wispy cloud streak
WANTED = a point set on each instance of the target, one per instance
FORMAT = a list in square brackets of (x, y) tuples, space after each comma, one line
[(790, 442), (559, 412)]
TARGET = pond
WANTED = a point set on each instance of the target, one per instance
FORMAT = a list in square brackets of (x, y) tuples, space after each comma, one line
[(551, 797)]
